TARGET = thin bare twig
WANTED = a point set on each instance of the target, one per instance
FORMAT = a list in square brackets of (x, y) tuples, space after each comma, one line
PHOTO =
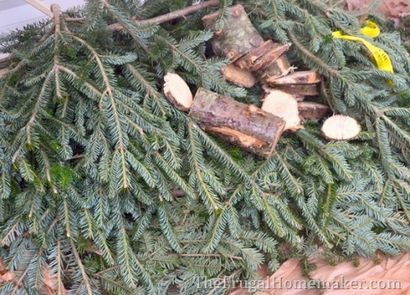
[(169, 16)]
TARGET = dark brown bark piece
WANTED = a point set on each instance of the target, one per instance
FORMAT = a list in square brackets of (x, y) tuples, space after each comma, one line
[(313, 110), (239, 76), (300, 89), (267, 89), (238, 35), (244, 125), (259, 58), (299, 77)]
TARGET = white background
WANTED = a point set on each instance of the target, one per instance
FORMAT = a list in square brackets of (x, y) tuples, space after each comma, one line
[(17, 13)]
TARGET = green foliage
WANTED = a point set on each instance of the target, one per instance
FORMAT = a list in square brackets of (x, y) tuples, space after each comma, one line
[(93, 159)]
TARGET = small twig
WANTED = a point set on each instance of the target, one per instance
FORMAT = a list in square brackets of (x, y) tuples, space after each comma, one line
[(74, 19), (169, 16), (37, 4), (330, 71), (55, 8)]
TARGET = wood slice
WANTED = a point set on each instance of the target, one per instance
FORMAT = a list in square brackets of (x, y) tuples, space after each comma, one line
[(340, 127), (312, 110), (244, 125), (238, 35), (299, 77), (259, 58), (239, 76), (177, 92), (285, 106)]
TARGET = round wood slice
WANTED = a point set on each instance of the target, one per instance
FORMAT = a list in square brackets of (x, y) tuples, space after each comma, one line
[(177, 92), (340, 127), (285, 106)]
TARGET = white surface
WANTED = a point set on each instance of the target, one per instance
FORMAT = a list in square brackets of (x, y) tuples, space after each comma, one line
[(17, 13)]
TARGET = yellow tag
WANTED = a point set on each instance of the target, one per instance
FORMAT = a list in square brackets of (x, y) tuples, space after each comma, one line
[(380, 57), (371, 29)]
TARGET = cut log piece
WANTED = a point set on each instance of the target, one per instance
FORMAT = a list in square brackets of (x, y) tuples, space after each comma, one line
[(279, 68), (238, 35), (300, 89), (285, 106), (299, 77), (312, 110), (177, 92), (245, 125), (259, 58), (267, 89), (239, 76), (341, 127)]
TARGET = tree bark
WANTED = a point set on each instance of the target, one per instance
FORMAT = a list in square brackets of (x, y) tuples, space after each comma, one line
[(299, 90), (238, 35), (244, 125), (299, 77), (312, 110), (280, 68), (258, 59), (239, 41)]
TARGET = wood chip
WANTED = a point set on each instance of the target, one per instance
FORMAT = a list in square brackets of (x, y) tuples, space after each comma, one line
[(239, 76)]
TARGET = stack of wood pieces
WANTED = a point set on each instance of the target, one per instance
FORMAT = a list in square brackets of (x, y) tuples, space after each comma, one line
[(255, 60)]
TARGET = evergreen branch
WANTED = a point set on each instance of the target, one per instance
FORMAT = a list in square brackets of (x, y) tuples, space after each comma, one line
[(84, 276), (120, 144), (213, 201), (322, 65), (151, 91)]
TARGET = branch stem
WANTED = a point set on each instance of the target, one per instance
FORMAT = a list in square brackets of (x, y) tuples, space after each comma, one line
[(169, 16)]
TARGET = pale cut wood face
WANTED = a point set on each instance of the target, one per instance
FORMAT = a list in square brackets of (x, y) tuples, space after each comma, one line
[(283, 105), (341, 127), (177, 91)]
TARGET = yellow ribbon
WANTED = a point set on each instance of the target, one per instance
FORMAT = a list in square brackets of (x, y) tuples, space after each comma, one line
[(380, 57)]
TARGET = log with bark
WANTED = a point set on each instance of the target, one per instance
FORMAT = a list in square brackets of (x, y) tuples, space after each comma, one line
[(259, 59), (300, 90), (237, 37), (299, 77), (312, 110), (239, 41), (244, 125)]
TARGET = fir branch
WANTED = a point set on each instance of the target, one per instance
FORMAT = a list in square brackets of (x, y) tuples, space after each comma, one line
[(84, 276)]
